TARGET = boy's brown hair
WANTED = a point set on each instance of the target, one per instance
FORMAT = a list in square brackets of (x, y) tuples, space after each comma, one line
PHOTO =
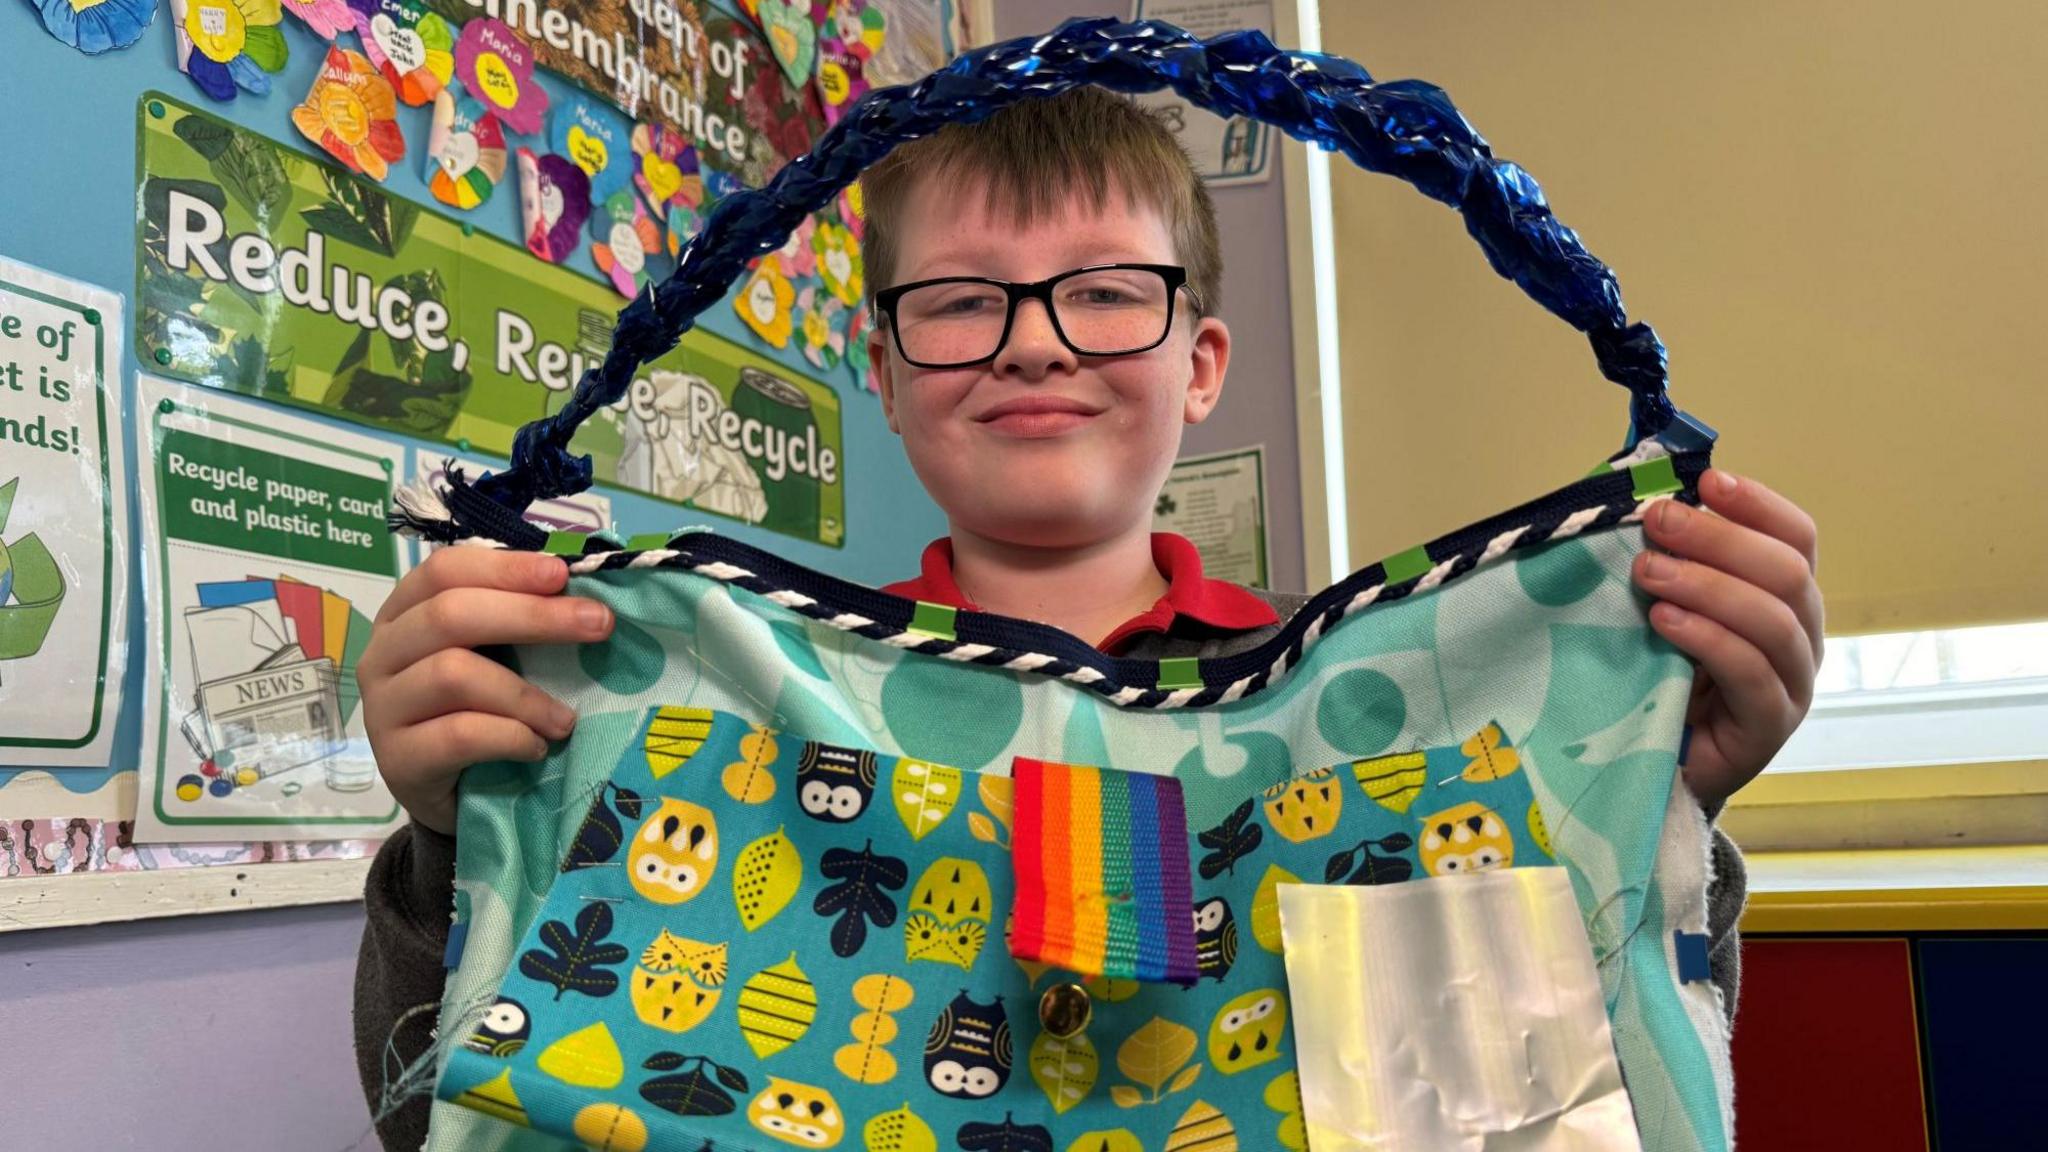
[(1033, 154)]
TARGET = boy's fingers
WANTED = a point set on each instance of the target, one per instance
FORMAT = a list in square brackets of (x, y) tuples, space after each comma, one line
[(1748, 685), (473, 617), (458, 567), (1745, 553), (460, 680), (420, 764), (1765, 622), (1754, 506)]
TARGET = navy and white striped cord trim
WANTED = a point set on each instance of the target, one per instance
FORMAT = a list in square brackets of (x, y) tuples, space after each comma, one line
[(1326, 615)]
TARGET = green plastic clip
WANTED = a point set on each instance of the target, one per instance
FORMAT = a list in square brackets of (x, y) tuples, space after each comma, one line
[(1654, 478), (564, 544), (1402, 567), (934, 620), (1180, 672)]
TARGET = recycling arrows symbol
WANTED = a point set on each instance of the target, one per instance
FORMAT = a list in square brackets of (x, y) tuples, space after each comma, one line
[(31, 587)]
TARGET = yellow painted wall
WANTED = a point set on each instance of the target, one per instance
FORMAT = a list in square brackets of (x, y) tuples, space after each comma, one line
[(1835, 214)]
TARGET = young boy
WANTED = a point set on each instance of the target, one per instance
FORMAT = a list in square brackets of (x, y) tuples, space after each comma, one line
[(1043, 423)]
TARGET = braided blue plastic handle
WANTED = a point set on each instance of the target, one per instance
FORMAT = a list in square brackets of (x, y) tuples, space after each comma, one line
[(1404, 128)]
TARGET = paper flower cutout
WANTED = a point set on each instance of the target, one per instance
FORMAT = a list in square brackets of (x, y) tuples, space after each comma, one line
[(96, 26), (228, 44), (466, 154), (849, 39), (496, 66), (327, 18), (665, 168), (593, 136), (825, 321), (626, 244), (857, 349), (410, 45), (796, 256), (839, 263), (764, 303), (792, 38), (682, 224), (852, 212), (554, 198), (352, 114)]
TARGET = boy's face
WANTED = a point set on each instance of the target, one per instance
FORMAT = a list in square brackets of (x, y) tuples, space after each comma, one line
[(1042, 447)]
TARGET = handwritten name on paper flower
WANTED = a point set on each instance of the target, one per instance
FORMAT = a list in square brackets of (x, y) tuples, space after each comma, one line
[(412, 46), (839, 262), (594, 137), (225, 45), (96, 26), (466, 154), (666, 169), (626, 244), (352, 114), (496, 66), (765, 302), (852, 34)]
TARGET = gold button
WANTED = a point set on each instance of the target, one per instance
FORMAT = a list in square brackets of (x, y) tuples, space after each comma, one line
[(1065, 1010)]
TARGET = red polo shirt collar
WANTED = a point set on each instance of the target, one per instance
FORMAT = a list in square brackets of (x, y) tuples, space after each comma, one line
[(1216, 604)]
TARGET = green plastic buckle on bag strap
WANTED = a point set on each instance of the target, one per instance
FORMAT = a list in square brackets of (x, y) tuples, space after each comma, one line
[(934, 620), (1178, 672), (564, 544), (1402, 567), (1655, 478)]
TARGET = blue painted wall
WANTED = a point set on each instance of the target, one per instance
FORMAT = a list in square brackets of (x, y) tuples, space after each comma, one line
[(67, 204)]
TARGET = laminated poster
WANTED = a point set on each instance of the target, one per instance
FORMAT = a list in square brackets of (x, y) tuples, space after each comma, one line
[(63, 523), (268, 556), (1219, 503), (1233, 151)]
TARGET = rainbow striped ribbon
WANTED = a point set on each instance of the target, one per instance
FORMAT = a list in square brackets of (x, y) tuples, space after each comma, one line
[(1101, 862)]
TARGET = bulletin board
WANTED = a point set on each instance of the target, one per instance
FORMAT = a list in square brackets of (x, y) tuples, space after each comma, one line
[(263, 260)]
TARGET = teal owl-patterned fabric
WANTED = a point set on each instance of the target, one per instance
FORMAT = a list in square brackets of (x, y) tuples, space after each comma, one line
[(762, 941), (779, 973)]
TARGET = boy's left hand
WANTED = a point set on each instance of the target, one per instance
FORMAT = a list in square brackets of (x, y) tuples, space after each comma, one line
[(1738, 596)]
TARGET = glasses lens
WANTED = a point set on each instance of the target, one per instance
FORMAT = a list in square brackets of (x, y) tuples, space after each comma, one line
[(1113, 310), (951, 323)]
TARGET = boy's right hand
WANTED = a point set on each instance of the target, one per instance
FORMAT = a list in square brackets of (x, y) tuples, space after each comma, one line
[(431, 705)]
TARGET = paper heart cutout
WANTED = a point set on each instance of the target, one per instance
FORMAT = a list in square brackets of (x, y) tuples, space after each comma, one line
[(458, 154), (402, 46), (626, 249), (588, 151), (839, 264), (664, 178), (496, 81), (761, 300), (791, 37)]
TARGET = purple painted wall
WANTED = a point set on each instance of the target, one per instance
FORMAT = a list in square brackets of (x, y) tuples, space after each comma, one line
[(199, 1034)]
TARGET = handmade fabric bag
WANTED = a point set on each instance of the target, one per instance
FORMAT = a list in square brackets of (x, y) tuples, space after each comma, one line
[(822, 867)]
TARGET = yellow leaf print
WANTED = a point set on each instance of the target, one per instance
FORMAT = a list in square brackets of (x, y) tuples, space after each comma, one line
[(1151, 1055), (1126, 1096), (1064, 1069), (587, 1059), (925, 794), (1283, 1095), (1490, 760), (766, 878), (1202, 1129), (1393, 782), (777, 1007), (1266, 907), (866, 1060), (674, 736), (899, 1131), (748, 779)]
